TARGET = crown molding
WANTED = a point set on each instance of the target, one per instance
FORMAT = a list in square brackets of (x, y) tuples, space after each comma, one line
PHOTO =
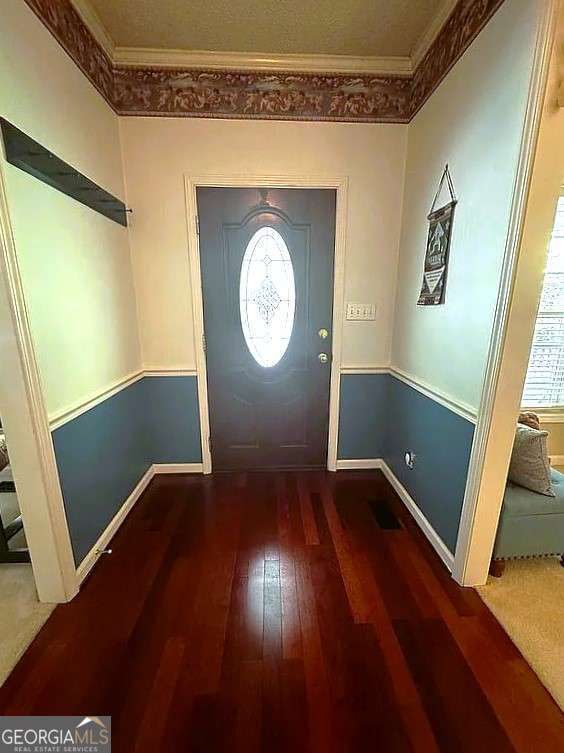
[(64, 22), (465, 22), (213, 60), (244, 61), (94, 24), (276, 87), (423, 44)]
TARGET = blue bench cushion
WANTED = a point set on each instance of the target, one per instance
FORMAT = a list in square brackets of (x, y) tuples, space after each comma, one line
[(521, 501), (531, 524)]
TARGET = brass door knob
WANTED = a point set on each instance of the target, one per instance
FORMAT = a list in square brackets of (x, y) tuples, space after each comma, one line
[(323, 357)]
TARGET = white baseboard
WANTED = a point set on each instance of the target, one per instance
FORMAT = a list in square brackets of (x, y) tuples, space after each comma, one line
[(355, 464), (91, 558), (438, 544), (360, 464), (435, 540), (178, 468)]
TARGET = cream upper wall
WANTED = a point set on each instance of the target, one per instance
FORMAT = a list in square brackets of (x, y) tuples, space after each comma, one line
[(474, 123), (555, 441), (159, 152), (75, 264)]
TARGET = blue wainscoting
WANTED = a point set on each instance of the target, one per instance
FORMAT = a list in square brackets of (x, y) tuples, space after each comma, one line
[(362, 416), (442, 441), (174, 419), (103, 453), (382, 417)]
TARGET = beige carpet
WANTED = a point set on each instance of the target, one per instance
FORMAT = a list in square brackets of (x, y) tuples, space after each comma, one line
[(528, 600), (21, 615)]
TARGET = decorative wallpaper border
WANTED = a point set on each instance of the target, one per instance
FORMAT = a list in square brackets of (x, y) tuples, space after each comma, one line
[(184, 92), (70, 31), (282, 96), (466, 21)]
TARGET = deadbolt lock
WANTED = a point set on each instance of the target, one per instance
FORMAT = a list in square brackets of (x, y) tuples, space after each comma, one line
[(323, 333)]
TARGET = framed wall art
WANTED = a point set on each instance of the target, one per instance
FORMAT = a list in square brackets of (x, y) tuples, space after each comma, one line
[(433, 287)]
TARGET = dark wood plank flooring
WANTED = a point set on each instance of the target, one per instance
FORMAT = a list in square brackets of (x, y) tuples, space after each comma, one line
[(282, 612)]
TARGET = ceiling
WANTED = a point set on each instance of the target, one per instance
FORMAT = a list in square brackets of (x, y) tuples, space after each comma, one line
[(331, 27)]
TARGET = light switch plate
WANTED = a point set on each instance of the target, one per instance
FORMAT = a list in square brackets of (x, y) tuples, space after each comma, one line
[(361, 312)]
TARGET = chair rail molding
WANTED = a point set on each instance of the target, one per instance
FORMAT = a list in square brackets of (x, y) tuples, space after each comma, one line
[(482, 506), (69, 413), (29, 438), (63, 416), (361, 369), (439, 396)]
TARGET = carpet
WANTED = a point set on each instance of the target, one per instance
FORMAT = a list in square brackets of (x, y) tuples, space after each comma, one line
[(528, 600), (22, 616)]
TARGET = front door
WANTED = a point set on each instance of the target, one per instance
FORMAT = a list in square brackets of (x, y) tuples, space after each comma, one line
[(267, 278)]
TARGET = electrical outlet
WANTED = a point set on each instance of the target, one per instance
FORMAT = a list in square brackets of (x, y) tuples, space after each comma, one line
[(410, 458), (361, 312)]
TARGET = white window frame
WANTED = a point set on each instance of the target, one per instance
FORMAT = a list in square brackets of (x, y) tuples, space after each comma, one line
[(548, 413)]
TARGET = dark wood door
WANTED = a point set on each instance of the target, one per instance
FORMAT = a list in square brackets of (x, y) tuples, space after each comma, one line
[(267, 278)]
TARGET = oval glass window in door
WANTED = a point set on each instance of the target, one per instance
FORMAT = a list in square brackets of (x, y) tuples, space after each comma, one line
[(267, 296)]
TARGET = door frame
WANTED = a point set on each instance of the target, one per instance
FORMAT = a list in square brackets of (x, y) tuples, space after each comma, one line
[(515, 314), (24, 417), (214, 180)]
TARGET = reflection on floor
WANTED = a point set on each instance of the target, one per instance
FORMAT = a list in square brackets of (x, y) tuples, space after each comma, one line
[(528, 600), (21, 615), (283, 612)]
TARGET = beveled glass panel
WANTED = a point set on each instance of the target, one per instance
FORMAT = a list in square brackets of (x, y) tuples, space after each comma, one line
[(267, 296)]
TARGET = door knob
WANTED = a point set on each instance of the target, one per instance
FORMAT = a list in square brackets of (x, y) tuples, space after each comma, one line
[(323, 357)]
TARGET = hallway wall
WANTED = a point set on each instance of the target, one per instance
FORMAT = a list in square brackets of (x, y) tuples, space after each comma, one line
[(104, 452), (75, 263), (100, 314), (474, 122), (159, 152)]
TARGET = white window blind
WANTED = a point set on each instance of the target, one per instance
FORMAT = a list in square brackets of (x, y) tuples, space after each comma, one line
[(544, 386)]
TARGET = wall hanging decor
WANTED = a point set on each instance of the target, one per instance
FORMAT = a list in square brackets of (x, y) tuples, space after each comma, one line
[(438, 246)]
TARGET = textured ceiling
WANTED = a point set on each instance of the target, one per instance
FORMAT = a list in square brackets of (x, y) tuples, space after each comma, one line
[(336, 27)]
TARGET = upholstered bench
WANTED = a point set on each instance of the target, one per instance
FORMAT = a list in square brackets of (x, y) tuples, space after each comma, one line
[(531, 524)]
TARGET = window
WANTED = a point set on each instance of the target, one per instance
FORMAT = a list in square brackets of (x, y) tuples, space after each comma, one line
[(267, 296), (544, 386)]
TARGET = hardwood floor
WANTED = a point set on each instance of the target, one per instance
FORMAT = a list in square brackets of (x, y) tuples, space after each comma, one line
[(282, 612)]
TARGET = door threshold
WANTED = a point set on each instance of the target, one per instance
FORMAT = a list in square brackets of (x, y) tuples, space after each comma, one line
[(271, 469)]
